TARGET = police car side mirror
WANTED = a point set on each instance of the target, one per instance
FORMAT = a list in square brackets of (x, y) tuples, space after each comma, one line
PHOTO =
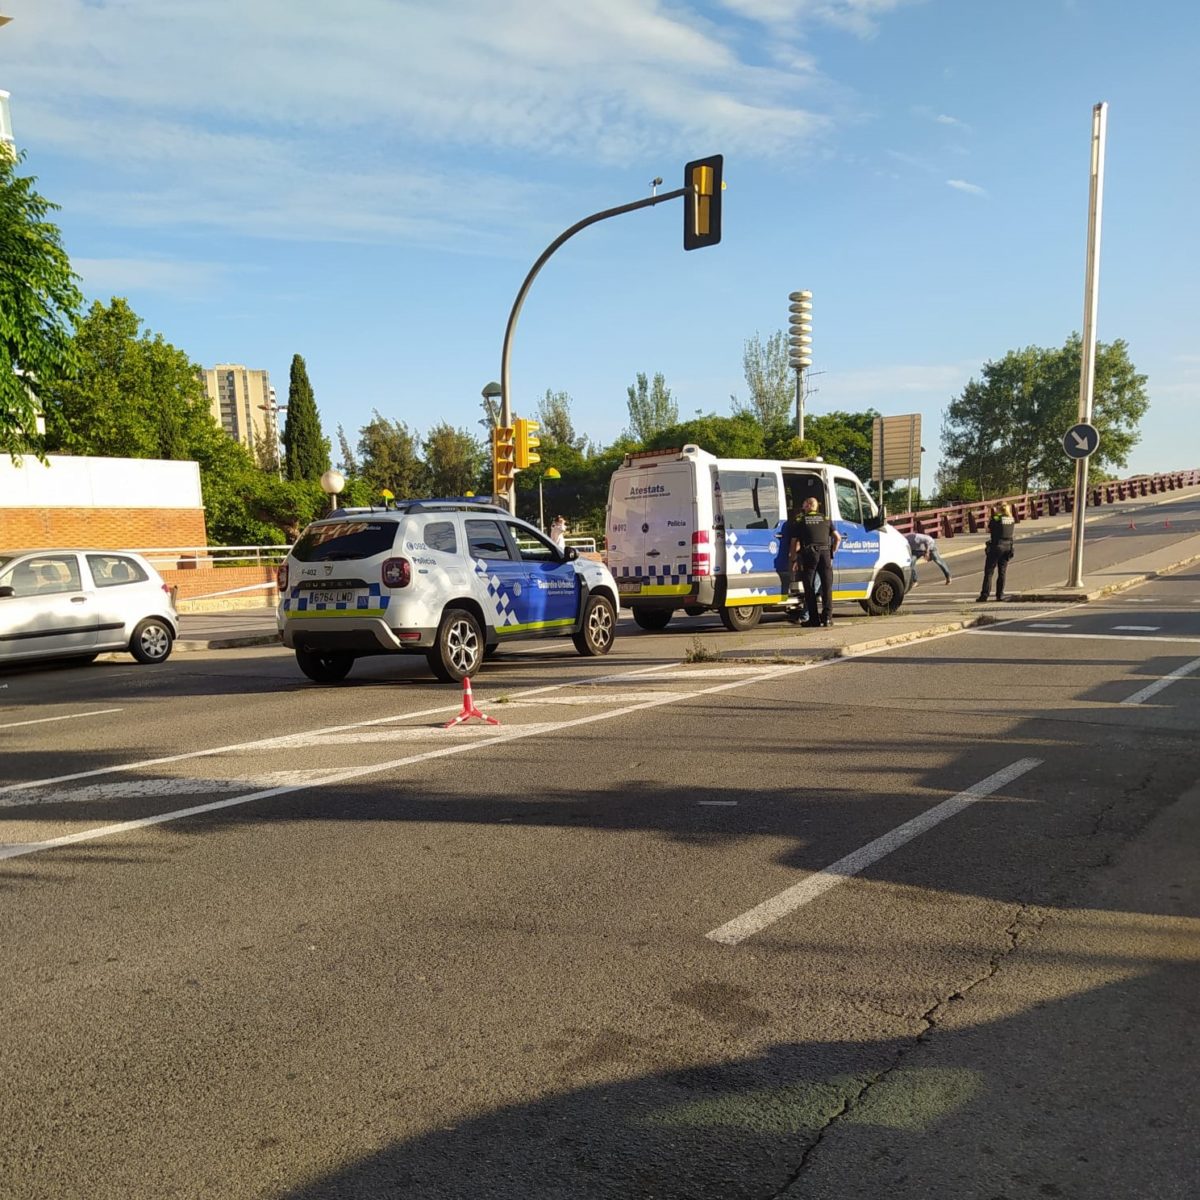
[(873, 523), (6, 590), (570, 554)]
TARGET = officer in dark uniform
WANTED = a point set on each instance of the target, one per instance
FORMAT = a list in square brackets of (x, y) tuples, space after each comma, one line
[(814, 541), (998, 551)]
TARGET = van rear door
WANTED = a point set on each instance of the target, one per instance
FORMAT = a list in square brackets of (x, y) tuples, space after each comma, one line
[(651, 519)]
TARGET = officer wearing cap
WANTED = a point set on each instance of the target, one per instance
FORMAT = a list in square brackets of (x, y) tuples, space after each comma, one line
[(998, 551), (814, 541)]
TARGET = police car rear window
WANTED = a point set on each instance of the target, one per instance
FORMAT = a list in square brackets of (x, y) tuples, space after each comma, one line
[(343, 540)]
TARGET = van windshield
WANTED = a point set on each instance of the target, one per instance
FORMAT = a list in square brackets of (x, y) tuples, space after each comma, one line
[(342, 540)]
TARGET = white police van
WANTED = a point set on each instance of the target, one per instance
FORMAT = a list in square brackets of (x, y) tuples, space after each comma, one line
[(689, 530), (448, 579)]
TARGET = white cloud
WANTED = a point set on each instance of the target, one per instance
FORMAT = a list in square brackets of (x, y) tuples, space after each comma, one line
[(120, 276), (962, 185), (943, 119), (860, 17)]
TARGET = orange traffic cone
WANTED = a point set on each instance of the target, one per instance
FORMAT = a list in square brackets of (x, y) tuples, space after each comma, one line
[(468, 709)]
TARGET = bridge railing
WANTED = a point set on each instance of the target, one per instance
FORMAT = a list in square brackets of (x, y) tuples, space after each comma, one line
[(973, 517)]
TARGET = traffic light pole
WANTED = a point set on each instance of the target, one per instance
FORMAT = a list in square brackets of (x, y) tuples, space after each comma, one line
[(506, 353)]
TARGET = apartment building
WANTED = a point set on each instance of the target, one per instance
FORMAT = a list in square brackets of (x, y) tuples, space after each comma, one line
[(243, 404)]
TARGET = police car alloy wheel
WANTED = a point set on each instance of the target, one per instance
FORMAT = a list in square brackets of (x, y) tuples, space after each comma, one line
[(599, 627), (458, 651)]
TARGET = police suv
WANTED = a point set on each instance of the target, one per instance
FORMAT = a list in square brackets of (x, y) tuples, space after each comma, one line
[(687, 530), (449, 579)]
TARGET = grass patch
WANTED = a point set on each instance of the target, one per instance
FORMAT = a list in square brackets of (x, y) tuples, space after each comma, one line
[(700, 653)]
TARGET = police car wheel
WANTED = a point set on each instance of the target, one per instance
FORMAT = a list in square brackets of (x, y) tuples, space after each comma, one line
[(595, 636), (324, 667), (651, 618), (741, 617), (458, 650), (887, 594), (694, 610)]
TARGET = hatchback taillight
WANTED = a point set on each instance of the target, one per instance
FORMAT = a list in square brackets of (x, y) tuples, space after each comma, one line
[(281, 577), (397, 573)]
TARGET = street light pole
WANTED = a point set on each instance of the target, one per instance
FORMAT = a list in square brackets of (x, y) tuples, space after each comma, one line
[(551, 473)]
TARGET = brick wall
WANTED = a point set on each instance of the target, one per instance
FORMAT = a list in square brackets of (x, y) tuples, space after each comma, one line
[(226, 584), (101, 528)]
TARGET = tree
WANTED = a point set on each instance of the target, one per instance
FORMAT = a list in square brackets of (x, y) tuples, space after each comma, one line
[(348, 464), (1003, 435), (306, 449), (38, 301), (131, 394), (554, 416), (455, 461), (739, 436), (768, 376), (390, 459), (651, 408)]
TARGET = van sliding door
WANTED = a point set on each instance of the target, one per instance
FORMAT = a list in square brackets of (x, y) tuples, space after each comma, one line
[(748, 502)]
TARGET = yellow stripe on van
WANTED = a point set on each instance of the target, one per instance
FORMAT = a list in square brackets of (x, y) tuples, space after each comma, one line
[(664, 589), (733, 600)]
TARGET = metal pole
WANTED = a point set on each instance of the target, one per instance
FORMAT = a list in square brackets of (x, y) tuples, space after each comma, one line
[(1087, 366), (541, 507), (510, 329)]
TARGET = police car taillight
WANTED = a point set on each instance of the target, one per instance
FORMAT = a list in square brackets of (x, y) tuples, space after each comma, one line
[(397, 573), (701, 553), (281, 577)]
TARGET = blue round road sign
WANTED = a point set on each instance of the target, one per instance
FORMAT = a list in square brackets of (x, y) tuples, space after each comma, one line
[(1080, 441)]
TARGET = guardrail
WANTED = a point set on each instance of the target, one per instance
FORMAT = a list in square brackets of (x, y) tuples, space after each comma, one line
[(973, 517)]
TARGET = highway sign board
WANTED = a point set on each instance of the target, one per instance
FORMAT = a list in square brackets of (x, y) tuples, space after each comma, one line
[(1080, 441)]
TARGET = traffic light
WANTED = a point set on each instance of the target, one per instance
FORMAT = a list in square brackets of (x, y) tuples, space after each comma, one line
[(702, 202), (800, 330), (525, 442), (503, 466)]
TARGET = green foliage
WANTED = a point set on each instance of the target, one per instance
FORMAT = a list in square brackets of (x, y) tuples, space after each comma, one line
[(38, 300), (306, 449), (554, 416), (739, 436), (391, 459), (770, 380), (1003, 435), (651, 408), (844, 439), (455, 461)]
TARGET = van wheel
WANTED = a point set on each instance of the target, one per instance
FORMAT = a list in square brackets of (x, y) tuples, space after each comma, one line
[(599, 627), (151, 641), (741, 617), (694, 610), (887, 594), (652, 618), (324, 667), (458, 651)]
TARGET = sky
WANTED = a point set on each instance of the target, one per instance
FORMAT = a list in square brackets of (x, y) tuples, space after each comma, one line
[(368, 185)]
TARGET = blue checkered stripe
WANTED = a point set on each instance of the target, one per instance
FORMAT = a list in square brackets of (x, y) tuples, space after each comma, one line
[(739, 560), (503, 613), (374, 597), (657, 574)]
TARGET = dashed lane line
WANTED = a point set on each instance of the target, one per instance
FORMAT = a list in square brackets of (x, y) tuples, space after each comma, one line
[(99, 712)]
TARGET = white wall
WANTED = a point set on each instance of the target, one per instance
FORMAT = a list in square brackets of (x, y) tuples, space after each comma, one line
[(76, 482)]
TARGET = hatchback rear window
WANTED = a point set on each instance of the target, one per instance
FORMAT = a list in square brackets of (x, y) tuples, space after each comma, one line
[(343, 540)]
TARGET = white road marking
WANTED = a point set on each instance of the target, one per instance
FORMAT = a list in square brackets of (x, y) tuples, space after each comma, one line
[(758, 918), (1095, 637), (508, 734), (67, 717), (1139, 628), (1152, 689), (718, 803), (139, 789), (1048, 625)]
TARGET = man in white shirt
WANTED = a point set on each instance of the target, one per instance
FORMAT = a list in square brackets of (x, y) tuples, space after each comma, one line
[(923, 546)]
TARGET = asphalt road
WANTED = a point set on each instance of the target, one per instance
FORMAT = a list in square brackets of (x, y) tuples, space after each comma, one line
[(914, 922)]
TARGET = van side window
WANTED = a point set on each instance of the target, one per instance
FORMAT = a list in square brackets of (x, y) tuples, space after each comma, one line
[(749, 499), (870, 508), (486, 540), (848, 500), (439, 535)]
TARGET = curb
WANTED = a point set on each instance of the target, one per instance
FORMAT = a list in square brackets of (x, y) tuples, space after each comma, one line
[(228, 643), (1065, 596)]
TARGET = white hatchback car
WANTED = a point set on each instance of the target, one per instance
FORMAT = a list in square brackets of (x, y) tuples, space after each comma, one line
[(448, 579), (78, 603)]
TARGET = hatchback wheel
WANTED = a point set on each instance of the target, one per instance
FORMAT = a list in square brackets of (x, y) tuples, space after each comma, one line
[(151, 641), (326, 666), (595, 637), (458, 650)]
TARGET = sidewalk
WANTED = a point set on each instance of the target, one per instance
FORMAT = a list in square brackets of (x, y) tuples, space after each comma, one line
[(244, 627)]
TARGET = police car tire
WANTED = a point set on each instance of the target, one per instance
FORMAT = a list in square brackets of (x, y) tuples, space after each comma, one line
[(652, 618), (694, 610), (324, 667), (595, 636), (887, 594), (740, 617), (458, 651)]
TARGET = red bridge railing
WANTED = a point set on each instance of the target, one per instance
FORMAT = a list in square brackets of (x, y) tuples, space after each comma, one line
[(972, 518)]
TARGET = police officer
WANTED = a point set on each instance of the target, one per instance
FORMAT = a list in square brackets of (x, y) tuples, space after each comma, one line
[(998, 551), (814, 541)]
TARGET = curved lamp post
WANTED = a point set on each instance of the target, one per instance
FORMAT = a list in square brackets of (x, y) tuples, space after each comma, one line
[(550, 473)]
